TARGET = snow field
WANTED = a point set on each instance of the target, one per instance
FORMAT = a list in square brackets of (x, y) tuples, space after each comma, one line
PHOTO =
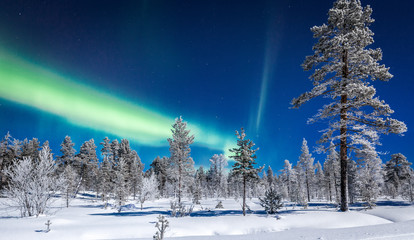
[(86, 219)]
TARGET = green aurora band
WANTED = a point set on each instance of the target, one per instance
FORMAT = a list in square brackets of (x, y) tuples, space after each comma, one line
[(25, 83)]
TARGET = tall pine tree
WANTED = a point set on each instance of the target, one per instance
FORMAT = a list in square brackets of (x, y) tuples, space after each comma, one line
[(343, 69)]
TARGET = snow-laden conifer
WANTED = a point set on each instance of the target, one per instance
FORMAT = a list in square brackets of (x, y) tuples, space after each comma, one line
[(181, 165), (160, 168), (320, 184), (344, 67), (369, 176), (68, 155), (288, 179), (397, 171), (332, 172), (121, 184), (245, 158), (306, 168), (217, 175)]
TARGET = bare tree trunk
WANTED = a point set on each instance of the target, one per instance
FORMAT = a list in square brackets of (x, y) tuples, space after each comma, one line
[(179, 184), (344, 141), (330, 189), (244, 196), (307, 187)]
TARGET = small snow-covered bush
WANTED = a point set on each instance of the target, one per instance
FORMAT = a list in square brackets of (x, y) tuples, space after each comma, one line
[(178, 209), (271, 202), (219, 205), (161, 226)]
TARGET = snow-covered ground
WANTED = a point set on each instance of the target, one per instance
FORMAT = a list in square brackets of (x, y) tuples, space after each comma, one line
[(86, 219)]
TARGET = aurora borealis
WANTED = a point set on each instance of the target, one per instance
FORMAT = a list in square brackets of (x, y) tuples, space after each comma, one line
[(127, 69), (83, 105)]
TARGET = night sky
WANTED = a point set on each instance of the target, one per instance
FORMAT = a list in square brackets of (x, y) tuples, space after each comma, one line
[(127, 69)]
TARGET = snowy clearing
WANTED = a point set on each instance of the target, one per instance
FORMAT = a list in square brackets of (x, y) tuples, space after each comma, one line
[(86, 219)]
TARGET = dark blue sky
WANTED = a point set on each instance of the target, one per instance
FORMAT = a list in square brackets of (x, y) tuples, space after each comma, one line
[(223, 64)]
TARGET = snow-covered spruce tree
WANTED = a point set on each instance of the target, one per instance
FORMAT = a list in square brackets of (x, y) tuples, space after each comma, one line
[(320, 184), (32, 183), (299, 187), (134, 166), (217, 175), (6, 158), (397, 171), (332, 172), (245, 158), (30, 148), (270, 178), (68, 154), (352, 181), (272, 201), (86, 165), (369, 174), (287, 178), (160, 168), (343, 68), (121, 184), (69, 183), (105, 171), (181, 165), (105, 180), (407, 187), (200, 185), (306, 168), (136, 173)]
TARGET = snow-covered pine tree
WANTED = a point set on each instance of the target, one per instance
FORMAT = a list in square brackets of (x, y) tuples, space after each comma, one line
[(332, 170), (134, 166), (407, 188), (86, 165), (114, 155), (181, 165), (16, 149), (69, 183), (136, 173), (105, 171), (217, 175), (369, 174), (200, 185), (397, 170), (6, 158), (299, 187), (320, 184), (306, 168), (343, 67), (245, 158), (30, 148), (68, 154), (160, 168), (234, 185), (270, 178), (106, 181), (121, 184), (352, 181), (287, 178)]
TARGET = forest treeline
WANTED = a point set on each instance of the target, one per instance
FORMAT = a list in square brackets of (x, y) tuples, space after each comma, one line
[(115, 174)]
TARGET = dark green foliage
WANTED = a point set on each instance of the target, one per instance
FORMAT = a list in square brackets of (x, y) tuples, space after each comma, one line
[(271, 202)]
